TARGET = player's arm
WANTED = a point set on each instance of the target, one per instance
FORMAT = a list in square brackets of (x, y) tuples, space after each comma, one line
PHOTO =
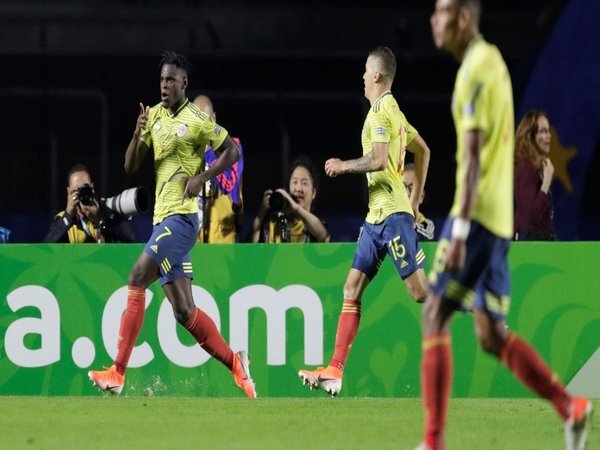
[(228, 153), (137, 148), (373, 161), (418, 147), (455, 257)]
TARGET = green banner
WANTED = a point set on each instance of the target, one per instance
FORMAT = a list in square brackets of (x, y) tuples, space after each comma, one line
[(61, 306)]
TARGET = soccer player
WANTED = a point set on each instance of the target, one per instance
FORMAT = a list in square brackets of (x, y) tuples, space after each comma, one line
[(177, 132), (389, 225), (470, 269)]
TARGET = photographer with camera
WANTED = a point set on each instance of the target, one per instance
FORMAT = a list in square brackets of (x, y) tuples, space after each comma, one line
[(85, 218), (286, 216)]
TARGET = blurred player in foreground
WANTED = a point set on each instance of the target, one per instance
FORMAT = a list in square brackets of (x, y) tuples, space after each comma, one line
[(177, 132), (470, 269), (389, 225)]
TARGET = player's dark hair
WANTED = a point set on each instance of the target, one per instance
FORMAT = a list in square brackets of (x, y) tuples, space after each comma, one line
[(306, 162), (473, 5), (387, 60), (77, 168), (175, 59)]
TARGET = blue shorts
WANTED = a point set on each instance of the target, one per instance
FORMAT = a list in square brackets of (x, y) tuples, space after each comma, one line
[(170, 245), (396, 236), (484, 281)]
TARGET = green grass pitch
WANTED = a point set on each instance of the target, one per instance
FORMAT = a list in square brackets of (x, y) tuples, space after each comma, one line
[(89, 423)]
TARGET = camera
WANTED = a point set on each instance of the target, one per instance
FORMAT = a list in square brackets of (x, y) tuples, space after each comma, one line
[(277, 202), (130, 202), (86, 194)]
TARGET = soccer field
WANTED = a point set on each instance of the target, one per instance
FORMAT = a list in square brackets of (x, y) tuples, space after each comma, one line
[(271, 423)]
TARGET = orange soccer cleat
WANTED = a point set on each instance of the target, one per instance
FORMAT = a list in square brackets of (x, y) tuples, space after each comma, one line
[(241, 374), (108, 380)]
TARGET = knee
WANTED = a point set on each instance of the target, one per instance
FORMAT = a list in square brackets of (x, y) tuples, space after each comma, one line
[(182, 313), (490, 343), (136, 276), (350, 291)]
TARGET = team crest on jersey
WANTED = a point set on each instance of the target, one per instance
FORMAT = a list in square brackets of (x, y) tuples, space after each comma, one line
[(181, 130), (156, 125)]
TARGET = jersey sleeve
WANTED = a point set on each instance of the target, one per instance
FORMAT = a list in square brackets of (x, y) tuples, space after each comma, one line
[(212, 133), (474, 103), (411, 132)]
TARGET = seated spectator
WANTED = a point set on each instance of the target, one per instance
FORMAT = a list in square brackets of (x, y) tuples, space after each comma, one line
[(533, 176), (425, 227), (84, 219), (286, 216), (220, 202)]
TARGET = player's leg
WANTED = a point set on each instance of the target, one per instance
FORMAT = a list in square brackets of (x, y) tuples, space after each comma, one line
[(203, 328), (436, 368), (143, 273), (416, 285), (521, 358), (330, 378), (367, 259)]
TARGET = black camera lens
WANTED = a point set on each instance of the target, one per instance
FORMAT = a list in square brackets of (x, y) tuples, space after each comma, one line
[(86, 195), (277, 202)]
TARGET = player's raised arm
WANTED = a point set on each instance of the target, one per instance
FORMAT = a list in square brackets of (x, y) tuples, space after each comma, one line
[(137, 148)]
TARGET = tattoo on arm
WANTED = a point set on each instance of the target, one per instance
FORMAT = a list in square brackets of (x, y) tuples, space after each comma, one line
[(361, 165)]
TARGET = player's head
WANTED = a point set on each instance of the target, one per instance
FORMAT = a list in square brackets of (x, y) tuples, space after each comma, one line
[(174, 69), (408, 179), (533, 137), (380, 70), (204, 104), (303, 182), (454, 23)]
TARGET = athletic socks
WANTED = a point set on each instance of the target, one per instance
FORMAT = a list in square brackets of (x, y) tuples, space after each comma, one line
[(346, 332), (131, 323), (436, 380), (204, 330), (528, 367)]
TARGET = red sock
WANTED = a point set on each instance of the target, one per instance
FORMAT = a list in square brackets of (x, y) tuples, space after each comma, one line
[(436, 380), (346, 332), (528, 367), (131, 323), (204, 330)]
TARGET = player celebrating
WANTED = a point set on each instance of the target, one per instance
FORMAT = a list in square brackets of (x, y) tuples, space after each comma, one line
[(389, 225), (177, 132), (470, 267)]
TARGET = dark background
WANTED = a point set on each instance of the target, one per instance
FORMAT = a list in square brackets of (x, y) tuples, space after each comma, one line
[(286, 79)]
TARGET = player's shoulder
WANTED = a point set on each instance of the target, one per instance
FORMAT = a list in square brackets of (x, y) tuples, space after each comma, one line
[(192, 110), (483, 57)]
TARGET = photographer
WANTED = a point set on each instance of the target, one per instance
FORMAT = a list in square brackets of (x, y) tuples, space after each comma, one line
[(286, 216), (84, 218)]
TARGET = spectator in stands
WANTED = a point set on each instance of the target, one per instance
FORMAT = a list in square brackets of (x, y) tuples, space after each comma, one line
[(287, 216), (424, 226), (84, 219), (533, 176), (220, 202)]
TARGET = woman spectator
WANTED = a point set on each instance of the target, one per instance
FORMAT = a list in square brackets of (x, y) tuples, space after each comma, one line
[(533, 175)]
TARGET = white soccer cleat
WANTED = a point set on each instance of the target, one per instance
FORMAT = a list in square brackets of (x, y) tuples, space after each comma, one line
[(328, 379), (578, 424)]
